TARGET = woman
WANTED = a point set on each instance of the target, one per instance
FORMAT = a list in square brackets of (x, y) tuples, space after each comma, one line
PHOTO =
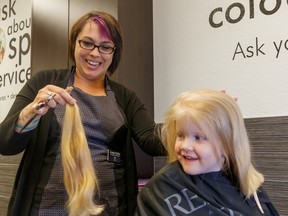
[(111, 114), (211, 172)]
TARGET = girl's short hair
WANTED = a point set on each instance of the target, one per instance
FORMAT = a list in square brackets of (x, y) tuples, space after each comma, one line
[(219, 117)]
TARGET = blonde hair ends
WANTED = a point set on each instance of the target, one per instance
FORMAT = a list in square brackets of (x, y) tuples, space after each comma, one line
[(80, 179)]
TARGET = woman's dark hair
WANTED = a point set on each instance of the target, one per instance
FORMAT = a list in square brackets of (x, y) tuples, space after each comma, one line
[(108, 25)]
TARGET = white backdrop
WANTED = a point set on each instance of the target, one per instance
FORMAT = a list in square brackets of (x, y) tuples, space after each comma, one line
[(247, 58), (15, 43)]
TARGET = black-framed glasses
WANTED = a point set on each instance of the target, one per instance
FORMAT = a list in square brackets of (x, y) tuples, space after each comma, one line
[(104, 49)]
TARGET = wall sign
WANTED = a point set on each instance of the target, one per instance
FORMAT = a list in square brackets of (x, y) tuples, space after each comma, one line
[(239, 46), (15, 43)]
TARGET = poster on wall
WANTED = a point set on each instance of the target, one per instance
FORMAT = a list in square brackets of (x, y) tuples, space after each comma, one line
[(15, 43), (239, 46)]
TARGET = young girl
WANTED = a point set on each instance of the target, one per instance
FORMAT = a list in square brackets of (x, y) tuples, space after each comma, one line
[(210, 170)]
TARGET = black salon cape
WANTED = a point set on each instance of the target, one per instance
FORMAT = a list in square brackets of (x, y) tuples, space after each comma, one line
[(173, 192)]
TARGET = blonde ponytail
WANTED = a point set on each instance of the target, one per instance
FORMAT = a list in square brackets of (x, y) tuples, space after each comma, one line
[(80, 179)]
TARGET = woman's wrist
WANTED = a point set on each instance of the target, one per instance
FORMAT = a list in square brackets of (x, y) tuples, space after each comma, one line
[(26, 115)]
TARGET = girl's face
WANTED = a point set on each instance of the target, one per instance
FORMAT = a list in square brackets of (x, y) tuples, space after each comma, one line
[(195, 153), (91, 64)]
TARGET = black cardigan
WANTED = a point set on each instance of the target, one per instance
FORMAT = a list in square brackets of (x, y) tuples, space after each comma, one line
[(139, 123)]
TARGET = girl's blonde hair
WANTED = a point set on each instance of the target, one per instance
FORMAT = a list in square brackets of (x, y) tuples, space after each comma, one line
[(79, 176), (220, 118)]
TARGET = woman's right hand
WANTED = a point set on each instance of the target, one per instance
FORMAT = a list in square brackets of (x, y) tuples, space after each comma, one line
[(48, 97)]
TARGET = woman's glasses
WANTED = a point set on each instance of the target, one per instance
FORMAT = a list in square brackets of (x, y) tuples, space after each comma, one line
[(104, 49)]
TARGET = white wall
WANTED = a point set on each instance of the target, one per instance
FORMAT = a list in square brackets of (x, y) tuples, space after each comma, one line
[(190, 54)]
